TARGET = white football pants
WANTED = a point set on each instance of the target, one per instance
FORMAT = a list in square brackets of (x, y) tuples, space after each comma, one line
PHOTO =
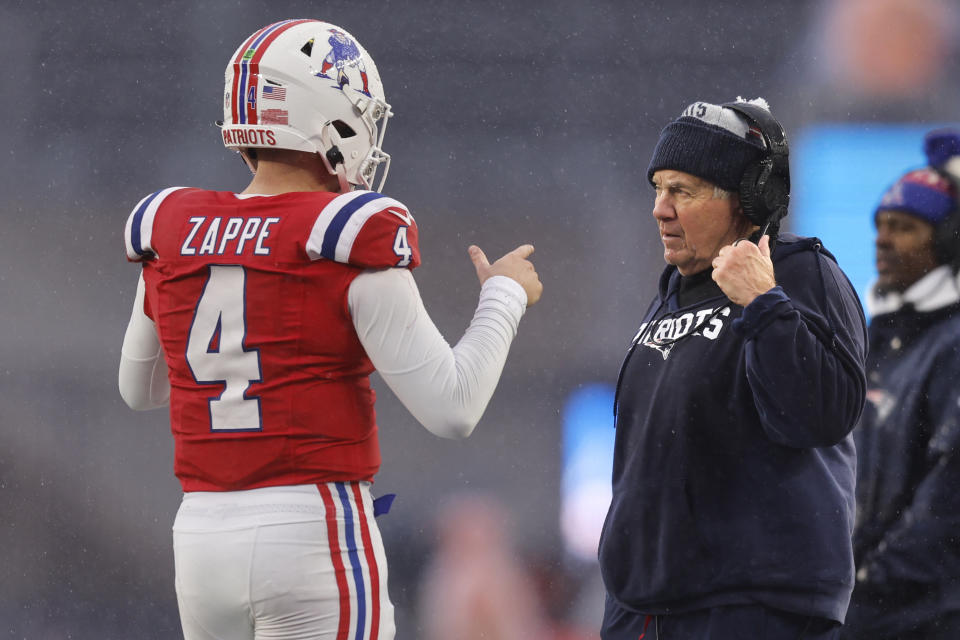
[(295, 562)]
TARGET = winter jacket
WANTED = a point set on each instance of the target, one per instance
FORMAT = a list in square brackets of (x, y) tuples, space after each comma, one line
[(907, 537), (733, 478)]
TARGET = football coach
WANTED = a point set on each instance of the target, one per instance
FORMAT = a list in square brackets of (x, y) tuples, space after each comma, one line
[(734, 464)]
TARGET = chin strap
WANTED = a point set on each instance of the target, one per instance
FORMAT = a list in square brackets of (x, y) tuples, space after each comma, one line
[(345, 186), (333, 159)]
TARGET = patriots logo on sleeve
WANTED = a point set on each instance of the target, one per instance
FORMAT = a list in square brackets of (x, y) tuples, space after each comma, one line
[(365, 229)]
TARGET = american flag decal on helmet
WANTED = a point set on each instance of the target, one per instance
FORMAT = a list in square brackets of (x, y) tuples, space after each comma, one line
[(274, 93), (275, 116)]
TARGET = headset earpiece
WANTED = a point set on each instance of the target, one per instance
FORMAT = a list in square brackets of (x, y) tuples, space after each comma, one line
[(946, 240), (765, 185), (756, 194), (946, 235)]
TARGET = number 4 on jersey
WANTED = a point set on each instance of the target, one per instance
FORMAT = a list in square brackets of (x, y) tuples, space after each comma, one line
[(216, 353), (401, 247)]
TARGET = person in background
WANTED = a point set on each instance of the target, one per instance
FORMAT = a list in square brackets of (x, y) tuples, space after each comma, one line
[(477, 586), (907, 536)]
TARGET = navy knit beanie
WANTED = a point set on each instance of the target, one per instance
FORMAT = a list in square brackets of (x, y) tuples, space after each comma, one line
[(710, 142)]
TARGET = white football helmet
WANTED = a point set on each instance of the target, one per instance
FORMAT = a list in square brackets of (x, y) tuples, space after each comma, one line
[(309, 86)]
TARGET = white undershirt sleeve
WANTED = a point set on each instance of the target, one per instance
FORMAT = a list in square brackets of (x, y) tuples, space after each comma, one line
[(143, 370), (446, 389)]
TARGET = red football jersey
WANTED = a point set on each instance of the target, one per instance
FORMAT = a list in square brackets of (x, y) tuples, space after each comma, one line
[(269, 384)]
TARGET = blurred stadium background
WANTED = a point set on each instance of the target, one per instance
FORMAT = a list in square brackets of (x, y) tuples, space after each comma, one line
[(515, 122)]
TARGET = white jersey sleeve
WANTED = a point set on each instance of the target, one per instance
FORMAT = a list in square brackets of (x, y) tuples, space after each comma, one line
[(143, 371), (446, 389)]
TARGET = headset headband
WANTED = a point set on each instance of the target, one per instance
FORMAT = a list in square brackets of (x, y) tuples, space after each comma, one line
[(770, 128)]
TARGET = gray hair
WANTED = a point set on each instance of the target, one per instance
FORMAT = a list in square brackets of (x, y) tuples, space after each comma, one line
[(720, 194)]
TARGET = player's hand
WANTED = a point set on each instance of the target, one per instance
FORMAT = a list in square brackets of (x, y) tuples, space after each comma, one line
[(513, 265), (743, 270)]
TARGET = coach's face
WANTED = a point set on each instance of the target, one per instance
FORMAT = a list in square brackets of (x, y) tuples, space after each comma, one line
[(694, 224)]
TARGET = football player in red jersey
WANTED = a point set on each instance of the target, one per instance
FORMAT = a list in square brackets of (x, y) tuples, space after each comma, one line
[(259, 317)]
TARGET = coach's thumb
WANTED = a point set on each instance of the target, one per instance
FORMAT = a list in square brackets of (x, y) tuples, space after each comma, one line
[(764, 246), (479, 258)]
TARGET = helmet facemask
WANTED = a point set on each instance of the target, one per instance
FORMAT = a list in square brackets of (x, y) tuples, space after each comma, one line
[(360, 152)]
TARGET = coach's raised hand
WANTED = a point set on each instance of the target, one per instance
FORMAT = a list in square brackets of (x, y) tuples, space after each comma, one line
[(513, 265)]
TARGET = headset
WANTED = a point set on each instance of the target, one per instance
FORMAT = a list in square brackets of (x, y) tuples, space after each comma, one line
[(942, 148), (765, 185), (946, 237)]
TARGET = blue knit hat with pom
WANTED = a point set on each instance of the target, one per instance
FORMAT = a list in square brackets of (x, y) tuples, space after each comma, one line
[(923, 193)]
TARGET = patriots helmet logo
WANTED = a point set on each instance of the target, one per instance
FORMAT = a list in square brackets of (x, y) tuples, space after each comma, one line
[(344, 57)]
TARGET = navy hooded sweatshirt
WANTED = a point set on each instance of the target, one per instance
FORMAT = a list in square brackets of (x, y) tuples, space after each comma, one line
[(733, 473)]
